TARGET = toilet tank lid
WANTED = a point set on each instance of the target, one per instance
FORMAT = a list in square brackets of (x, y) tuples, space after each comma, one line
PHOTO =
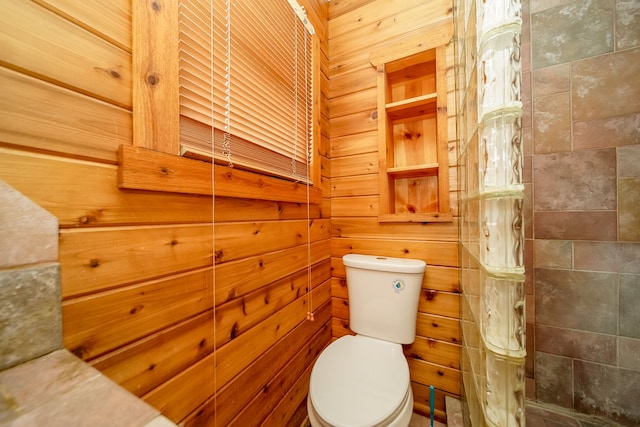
[(383, 263)]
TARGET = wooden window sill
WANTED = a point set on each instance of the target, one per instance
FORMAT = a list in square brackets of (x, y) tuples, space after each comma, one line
[(145, 169)]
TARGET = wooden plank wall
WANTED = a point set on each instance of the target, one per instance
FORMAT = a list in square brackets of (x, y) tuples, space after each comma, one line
[(141, 291), (356, 28)]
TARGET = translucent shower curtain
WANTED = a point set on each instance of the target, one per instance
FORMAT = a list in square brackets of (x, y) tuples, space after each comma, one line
[(488, 96)]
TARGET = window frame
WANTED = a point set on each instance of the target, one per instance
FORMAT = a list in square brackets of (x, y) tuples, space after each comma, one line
[(156, 104)]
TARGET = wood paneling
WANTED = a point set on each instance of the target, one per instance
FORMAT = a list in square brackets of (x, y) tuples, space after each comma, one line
[(352, 77), (284, 391), (343, 23), (438, 327), (354, 144), (176, 397), (439, 303), (253, 380), (393, 30), (434, 253), (263, 269), (440, 377), (370, 228), (242, 240), (144, 169), (63, 53), (85, 194), (97, 259), (434, 351), (41, 116), (110, 20), (107, 320), (360, 185), (358, 206), (155, 86), (352, 103), (145, 364), (241, 314), (362, 164), (142, 266), (359, 122), (137, 263), (421, 400), (340, 7), (382, 23)]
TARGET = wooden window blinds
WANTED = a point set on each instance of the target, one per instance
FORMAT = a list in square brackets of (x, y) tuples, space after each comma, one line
[(245, 84)]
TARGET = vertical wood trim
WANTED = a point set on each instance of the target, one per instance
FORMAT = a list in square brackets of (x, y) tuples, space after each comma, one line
[(156, 109), (383, 146), (442, 126), (316, 82)]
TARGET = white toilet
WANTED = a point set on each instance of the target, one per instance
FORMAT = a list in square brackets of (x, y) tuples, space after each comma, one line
[(363, 380)]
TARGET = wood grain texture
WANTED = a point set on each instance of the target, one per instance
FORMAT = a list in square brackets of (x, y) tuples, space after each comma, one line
[(138, 263), (253, 380), (145, 169), (84, 194), (175, 397), (386, 24), (42, 116), (110, 20), (109, 320), (434, 351), (100, 259), (433, 253), (155, 83), (62, 53), (388, 30), (147, 363), (363, 227)]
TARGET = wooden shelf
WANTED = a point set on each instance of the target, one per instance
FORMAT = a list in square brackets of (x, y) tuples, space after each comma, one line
[(412, 138), (430, 169), (413, 107)]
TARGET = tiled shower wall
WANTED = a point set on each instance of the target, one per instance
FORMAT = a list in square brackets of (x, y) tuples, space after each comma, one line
[(581, 126)]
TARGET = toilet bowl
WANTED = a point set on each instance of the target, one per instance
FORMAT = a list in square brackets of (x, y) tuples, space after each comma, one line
[(360, 381)]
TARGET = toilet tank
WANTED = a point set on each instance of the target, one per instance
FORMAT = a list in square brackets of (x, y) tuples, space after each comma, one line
[(383, 296)]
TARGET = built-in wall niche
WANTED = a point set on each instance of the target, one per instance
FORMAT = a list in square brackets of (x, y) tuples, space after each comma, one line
[(412, 135)]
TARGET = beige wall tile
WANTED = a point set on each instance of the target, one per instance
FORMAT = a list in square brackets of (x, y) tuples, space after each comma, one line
[(607, 256), (629, 353), (576, 181), (550, 80), (628, 392), (553, 253), (572, 31), (601, 348), (627, 24), (554, 376), (595, 225), (540, 5), (595, 386), (629, 209), (552, 123), (629, 313), (608, 132), (596, 94), (582, 300), (629, 160)]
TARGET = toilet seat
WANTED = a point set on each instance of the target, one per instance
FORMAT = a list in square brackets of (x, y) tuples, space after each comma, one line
[(359, 381)]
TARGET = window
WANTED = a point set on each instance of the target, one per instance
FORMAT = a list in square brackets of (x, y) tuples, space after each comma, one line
[(246, 85)]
